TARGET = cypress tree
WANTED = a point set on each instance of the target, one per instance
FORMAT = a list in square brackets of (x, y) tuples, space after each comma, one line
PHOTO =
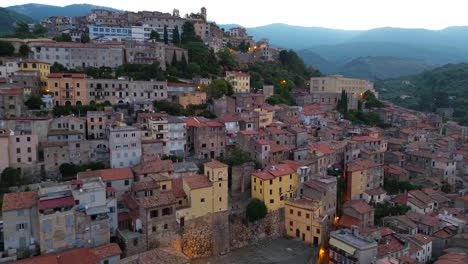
[(166, 37), (176, 36)]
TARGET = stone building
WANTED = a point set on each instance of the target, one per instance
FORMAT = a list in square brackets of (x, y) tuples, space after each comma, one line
[(11, 102), (206, 139)]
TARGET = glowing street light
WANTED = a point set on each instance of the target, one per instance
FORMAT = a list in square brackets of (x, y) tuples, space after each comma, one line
[(283, 82)]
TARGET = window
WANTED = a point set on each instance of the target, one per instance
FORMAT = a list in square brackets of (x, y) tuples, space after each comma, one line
[(290, 223), (308, 228), (220, 199), (127, 182), (21, 226), (108, 184), (272, 201), (92, 198), (163, 187), (18, 150), (154, 213), (202, 200), (167, 211), (29, 149), (299, 213), (318, 231), (153, 229), (291, 211), (307, 215), (165, 226), (271, 182), (28, 139), (271, 191)]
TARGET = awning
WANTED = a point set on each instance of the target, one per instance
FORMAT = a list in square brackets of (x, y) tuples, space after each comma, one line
[(343, 246)]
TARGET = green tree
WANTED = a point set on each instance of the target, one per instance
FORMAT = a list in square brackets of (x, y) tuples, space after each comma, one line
[(10, 177), (183, 63), (165, 35), (22, 30), (85, 38), (6, 48), (371, 101), (256, 210), (176, 36), (200, 54), (57, 68), (446, 188), (24, 50), (34, 102), (226, 60), (155, 35), (216, 89), (39, 30), (188, 33), (342, 105), (242, 47), (174, 60), (64, 37)]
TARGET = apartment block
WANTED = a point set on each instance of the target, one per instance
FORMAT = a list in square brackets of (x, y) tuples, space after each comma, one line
[(124, 145), (77, 55), (240, 81), (206, 139), (68, 89), (11, 102), (19, 151), (348, 246)]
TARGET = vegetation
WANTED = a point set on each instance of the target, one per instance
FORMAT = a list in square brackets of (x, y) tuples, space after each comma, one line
[(64, 37), (188, 33), (396, 187), (165, 35), (85, 38), (141, 71), (8, 18), (176, 36), (383, 210), (39, 30), (69, 170), (34, 103), (173, 158), (238, 157), (217, 88), (256, 210), (10, 177), (371, 101), (6, 48), (79, 110), (155, 35), (24, 50), (445, 86), (177, 110)]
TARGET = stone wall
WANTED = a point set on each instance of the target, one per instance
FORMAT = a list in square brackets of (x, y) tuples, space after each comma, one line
[(206, 236), (245, 234), (240, 177)]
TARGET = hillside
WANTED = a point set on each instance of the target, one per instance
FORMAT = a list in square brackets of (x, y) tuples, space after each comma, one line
[(8, 20), (383, 67), (445, 86), (39, 11)]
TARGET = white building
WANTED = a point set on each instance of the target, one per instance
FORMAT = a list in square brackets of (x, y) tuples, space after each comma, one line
[(8, 68), (422, 247), (125, 146), (177, 136)]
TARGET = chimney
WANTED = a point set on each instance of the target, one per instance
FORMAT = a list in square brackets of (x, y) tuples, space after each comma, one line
[(355, 230)]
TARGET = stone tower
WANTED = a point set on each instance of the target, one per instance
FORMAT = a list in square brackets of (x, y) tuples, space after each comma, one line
[(203, 14)]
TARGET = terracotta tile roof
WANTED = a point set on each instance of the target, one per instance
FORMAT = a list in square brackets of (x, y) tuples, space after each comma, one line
[(389, 245), (107, 251), (365, 138), (361, 164), (349, 221), (11, 91), (421, 196), (401, 199), (376, 191), (129, 201), (201, 122), (313, 184), (68, 201), (178, 188), (238, 73), (157, 256), (359, 206), (108, 174), (197, 181), (292, 164), (453, 258), (443, 234), (154, 166), (277, 148), (18, 200), (145, 185), (394, 169), (163, 198), (215, 164)]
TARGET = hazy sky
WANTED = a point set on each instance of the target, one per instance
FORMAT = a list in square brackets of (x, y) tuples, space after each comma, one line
[(343, 14)]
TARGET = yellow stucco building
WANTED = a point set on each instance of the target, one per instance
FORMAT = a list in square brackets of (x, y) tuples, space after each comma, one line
[(68, 88), (274, 185), (34, 65), (302, 220), (205, 194), (240, 81), (266, 114)]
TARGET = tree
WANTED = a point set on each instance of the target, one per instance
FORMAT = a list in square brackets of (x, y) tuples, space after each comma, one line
[(6, 48), (64, 37), (166, 37), (10, 177), (216, 89), (34, 102), (24, 50), (188, 33), (446, 188), (57, 67), (371, 101), (155, 35), (342, 105), (39, 30), (85, 38), (176, 36), (22, 30), (226, 60), (256, 210), (174, 60), (183, 63)]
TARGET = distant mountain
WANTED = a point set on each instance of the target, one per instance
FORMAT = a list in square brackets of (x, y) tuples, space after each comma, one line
[(333, 51), (297, 37), (384, 67), (8, 20), (39, 11)]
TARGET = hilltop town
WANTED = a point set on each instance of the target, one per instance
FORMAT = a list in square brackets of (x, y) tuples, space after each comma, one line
[(148, 137)]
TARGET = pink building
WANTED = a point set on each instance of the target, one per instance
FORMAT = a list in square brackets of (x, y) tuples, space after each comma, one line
[(17, 150)]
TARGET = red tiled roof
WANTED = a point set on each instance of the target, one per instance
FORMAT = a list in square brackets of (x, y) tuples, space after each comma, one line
[(238, 73), (197, 181), (18, 200), (401, 199), (154, 166), (107, 251), (389, 245), (359, 206), (178, 188), (56, 203), (365, 138), (108, 174), (163, 198), (361, 164), (11, 91), (215, 164), (263, 175), (349, 221)]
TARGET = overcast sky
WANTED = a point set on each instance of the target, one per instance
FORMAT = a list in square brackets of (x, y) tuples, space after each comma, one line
[(341, 14)]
